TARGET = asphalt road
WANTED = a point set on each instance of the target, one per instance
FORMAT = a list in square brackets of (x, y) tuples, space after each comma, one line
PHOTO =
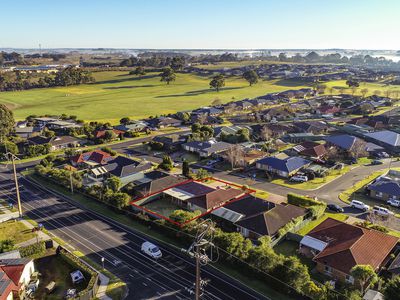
[(170, 277)]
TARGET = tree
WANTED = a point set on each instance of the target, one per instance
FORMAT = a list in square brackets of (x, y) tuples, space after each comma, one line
[(352, 83), (167, 163), (392, 288), (363, 274), (8, 146), (266, 134), (185, 168), (235, 155), (251, 76), (168, 75), (119, 200), (6, 245), (364, 92), (177, 63), (353, 90), (138, 71), (388, 93), (113, 183), (202, 174), (7, 121), (217, 82), (125, 120)]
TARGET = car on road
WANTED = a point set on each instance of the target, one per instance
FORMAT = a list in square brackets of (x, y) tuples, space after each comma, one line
[(335, 208), (359, 205), (376, 162), (381, 211), (151, 250), (298, 178), (393, 202)]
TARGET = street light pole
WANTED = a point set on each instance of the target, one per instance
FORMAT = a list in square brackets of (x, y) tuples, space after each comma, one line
[(16, 184)]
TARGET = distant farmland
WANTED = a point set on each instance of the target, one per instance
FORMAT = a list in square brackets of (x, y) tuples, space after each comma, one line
[(116, 95)]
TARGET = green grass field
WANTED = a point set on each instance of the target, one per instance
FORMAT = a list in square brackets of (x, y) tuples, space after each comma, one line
[(116, 94)]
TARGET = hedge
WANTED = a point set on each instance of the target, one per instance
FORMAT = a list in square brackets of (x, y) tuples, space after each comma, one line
[(33, 249), (302, 201)]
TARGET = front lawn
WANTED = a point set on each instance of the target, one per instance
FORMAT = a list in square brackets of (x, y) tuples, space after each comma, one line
[(314, 183), (16, 231), (55, 268), (307, 228)]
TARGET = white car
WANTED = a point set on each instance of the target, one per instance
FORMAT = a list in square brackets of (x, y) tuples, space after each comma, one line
[(381, 211), (359, 205), (299, 178), (151, 250), (393, 202)]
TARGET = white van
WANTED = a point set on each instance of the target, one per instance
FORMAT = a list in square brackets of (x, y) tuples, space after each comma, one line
[(151, 250), (394, 202), (382, 211), (359, 205)]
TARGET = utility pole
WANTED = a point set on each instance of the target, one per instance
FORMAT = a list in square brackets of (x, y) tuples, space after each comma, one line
[(13, 157), (201, 243)]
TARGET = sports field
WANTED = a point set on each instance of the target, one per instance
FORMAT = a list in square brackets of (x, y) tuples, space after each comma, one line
[(116, 95)]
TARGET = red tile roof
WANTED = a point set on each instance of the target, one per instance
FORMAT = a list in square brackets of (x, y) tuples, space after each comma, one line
[(350, 245), (101, 133), (97, 156)]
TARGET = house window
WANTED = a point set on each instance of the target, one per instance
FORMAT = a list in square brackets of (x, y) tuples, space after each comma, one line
[(379, 194), (328, 270), (349, 279)]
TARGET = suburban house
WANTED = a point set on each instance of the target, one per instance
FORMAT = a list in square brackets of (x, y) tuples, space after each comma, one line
[(15, 275), (126, 169), (209, 111), (56, 142), (385, 187), (255, 217), (62, 125), (227, 130), (91, 159), (311, 149), (344, 142), (315, 127), (327, 110), (27, 131), (194, 195), (284, 167), (43, 121), (101, 134), (206, 149), (133, 126), (170, 142), (385, 138), (337, 247), (156, 185), (162, 122)]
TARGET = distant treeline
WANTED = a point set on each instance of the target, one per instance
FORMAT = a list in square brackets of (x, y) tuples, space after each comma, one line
[(15, 81)]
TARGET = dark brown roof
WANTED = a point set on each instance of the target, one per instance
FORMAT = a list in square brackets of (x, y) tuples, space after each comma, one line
[(215, 198), (350, 245), (195, 188), (158, 185), (269, 222), (313, 149)]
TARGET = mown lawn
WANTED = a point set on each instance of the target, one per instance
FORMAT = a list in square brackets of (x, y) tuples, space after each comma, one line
[(117, 94), (337, 216), (15, 231)]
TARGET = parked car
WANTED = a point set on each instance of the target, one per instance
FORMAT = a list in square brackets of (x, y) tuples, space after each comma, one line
[(335, 208), (299, 178), (359, 205), (151, 250), (381, 211), (376, 162), (393, 202)]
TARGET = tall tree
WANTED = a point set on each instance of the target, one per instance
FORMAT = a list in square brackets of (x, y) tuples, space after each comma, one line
[(364, 92), (217, 82), (168, 75), (392, 288), (177, 63), (113, 183), (251, 76), (7, 121), (363, 274)]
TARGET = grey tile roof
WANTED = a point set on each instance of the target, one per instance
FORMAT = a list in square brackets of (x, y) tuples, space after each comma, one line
[(289, 164)]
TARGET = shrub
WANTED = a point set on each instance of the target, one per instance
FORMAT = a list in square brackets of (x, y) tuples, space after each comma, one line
[(33, 249), (302, 201)]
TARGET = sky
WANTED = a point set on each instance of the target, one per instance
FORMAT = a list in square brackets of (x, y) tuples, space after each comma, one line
[(201, 24)]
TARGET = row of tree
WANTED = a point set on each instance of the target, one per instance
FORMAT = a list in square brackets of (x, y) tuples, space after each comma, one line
[(66, 77)]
